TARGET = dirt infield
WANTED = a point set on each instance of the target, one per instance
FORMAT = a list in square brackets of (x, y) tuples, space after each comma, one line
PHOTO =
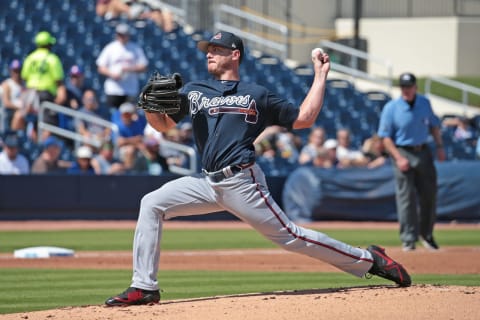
[(366, 302)]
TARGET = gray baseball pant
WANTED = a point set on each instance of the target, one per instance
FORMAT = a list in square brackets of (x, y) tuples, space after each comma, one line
[(246, 196)]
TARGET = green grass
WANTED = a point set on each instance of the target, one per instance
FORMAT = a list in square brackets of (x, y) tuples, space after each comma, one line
[(99, 240), (452, 93), (40, 289)]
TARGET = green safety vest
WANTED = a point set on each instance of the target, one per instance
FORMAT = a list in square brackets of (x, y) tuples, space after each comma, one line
[(42, 70)]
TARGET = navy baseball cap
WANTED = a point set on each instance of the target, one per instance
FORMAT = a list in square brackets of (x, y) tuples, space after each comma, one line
[(223, 39), (407, 80)]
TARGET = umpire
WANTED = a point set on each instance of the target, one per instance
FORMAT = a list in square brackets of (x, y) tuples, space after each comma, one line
[(405, 125)]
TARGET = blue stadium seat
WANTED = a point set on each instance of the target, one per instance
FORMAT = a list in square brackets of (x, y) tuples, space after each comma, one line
[(343, 104)]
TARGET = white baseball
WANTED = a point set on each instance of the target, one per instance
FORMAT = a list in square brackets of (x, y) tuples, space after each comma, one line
[(315, 52)]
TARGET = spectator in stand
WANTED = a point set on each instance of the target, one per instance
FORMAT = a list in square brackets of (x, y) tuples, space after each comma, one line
[(269, 157), (463, 129), (287, 146), (111, 9), (12, 162), (49, 162), (374, 150), (316, 139), (138, 10), (331, 146), (121, 61), (133, 161), (12, 90), (151, 10), (347, 156), (83, 162), (321, 159), (157, 164), (43, 71), (105, 163), (75, 87), (89, 129), (131, 125)]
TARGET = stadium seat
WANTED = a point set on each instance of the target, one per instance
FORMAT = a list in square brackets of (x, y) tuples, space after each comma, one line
[(378, 99), (344, 105)]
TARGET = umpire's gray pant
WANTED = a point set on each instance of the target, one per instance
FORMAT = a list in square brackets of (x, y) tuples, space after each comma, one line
[(418, 183)]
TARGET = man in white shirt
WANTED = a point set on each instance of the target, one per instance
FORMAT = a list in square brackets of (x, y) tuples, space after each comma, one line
[(11, 161), (121, 61)]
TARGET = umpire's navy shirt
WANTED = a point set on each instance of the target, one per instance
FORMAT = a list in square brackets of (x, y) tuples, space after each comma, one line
[(227, 117), (407, 125)]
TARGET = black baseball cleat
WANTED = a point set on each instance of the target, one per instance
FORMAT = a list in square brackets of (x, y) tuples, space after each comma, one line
[(385, 267), (429, 243), (134, 296)]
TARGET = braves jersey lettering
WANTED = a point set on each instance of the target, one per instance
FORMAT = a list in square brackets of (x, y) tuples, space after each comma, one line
[(215, 107), (198, 101)]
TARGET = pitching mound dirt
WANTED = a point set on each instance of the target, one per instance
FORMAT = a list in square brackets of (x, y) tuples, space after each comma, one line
[(416, 302)]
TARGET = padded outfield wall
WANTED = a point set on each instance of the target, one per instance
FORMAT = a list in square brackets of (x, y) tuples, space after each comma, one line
[(308, 193)]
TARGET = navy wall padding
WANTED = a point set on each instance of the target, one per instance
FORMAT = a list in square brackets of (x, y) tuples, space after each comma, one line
[(309, 193), (369, 194), (56, 197)]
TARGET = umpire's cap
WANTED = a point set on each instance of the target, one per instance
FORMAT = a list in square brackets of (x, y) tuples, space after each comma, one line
[(223, 39), (407, 79), (44, 38)]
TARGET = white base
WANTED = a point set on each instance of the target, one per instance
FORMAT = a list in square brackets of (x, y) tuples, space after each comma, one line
[(43, 252)]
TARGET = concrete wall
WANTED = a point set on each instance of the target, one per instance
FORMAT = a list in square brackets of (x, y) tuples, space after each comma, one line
[(426, 46), (319, 17), (469, 47)]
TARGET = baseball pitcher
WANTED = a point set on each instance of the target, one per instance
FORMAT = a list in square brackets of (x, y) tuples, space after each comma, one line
[(227, 115)]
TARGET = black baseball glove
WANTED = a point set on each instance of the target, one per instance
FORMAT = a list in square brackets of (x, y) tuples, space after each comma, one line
[(160, 94)]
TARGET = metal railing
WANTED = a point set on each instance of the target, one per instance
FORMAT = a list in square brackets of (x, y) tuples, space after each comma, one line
[(189, 151), (77, 115), (252, 22), (79, 139), (465, 89), (353, 71)]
